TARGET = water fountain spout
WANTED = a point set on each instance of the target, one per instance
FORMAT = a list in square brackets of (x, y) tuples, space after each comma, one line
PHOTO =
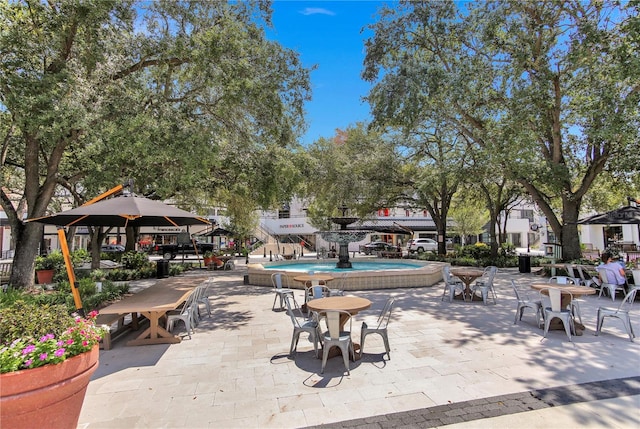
[(343, 237)]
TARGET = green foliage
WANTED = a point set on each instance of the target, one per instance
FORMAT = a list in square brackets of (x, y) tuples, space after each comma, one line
[(475, 251), (23, 319), (134, 260), (52, 261), (195, 90)]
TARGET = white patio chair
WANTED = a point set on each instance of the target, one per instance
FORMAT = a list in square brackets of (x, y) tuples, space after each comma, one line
[(552, 304), (301, 324), (612, 288), (526, 301), (451, 285), (485, 284), (187, 314), (622, 313), (335, 336), (574, 305), (380, 327), (585, 278), (564, 280), (316, 291), (279, 280), (203, 298)]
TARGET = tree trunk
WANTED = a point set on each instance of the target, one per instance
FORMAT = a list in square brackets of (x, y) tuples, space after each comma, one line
[(23, 272), (570, 238)]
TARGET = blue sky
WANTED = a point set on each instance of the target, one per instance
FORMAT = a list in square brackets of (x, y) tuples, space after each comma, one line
[(328, 34)]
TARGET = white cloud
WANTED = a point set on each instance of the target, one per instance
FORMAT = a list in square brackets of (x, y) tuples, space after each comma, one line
[(316, 11)]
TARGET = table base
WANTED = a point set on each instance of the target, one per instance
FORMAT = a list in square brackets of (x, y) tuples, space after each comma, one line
[(335, 351), (557, 325)]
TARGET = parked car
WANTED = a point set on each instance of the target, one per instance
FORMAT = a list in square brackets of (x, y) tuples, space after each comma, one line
[(422, 245), (377, 246), (112, 248)]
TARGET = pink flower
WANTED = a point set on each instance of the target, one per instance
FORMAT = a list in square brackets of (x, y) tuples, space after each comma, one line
[(85, 343), (28, 362), (59, 352), (43, 356), (28, 349), (69, 341)]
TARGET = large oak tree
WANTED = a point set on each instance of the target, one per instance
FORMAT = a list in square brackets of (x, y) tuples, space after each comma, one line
[(550, 87), (182, 96)]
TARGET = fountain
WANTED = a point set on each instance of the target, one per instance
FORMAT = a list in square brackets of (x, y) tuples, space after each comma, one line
[(343, 237)]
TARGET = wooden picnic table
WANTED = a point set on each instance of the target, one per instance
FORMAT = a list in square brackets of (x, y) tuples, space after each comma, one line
[(153, 303)]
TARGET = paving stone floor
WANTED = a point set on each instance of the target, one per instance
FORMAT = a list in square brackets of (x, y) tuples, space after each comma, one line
[(461, 364)]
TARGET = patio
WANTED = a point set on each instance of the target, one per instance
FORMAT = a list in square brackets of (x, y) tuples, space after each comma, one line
[(236, 372)]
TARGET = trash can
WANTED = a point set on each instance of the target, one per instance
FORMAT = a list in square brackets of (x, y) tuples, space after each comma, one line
[(162, 269), (524, 263)]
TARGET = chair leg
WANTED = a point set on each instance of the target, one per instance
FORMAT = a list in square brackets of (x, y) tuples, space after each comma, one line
[(294, 343), (363, 335), (385, 338), (627, 325), (345, 357), (568, 327), (325, 354)]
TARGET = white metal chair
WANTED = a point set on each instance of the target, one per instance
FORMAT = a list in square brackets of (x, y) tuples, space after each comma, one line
[(553, 298), (279, 280), (564, 280), (585, 278), (525, 301), (187, 313), (451, 284), (316, 291), (203, 298), (300, 325), (485, 284), (380, 327), (341, 282), (574, 305), (612, 288), (622, 313), (334, 336)]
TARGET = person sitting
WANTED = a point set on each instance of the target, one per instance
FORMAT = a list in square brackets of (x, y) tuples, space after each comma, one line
[(613, 271)]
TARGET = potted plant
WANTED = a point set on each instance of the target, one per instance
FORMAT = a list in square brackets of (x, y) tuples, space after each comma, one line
[(46, 360), (46, 266), (98, 276), (208, 258)]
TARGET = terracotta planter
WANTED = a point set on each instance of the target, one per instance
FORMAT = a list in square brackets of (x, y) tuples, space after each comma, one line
[(208, 261), (48, 396), (44, 276)]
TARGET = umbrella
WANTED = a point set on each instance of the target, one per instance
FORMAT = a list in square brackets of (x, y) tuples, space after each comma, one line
[(124, 211), (627, 215), (218, 232)]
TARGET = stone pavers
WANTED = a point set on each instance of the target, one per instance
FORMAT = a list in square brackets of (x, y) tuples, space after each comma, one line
[(460, 361), (501, 405)]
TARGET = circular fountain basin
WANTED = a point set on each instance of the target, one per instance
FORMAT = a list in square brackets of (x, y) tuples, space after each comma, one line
[(364, 274)]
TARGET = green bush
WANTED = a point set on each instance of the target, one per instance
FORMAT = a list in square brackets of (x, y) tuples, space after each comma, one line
[(134, 260), (31, 319)]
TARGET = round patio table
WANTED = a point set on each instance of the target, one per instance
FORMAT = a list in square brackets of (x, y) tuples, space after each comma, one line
[(565, 300), (467, 276), (351, 304), (306, 279)]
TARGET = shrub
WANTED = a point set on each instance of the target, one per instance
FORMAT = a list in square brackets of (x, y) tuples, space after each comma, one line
[(134, 260)]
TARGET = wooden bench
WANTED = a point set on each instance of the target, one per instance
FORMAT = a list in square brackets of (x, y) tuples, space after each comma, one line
[(120, 328), (5, 272)]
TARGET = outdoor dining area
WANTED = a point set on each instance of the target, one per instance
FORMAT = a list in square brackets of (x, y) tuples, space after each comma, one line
[(407, 348)]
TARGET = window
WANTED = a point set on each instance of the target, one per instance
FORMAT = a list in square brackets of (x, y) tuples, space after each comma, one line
[(285, 211), (527, 214)]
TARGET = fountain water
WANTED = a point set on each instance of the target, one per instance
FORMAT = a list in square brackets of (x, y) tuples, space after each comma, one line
[(343, 237)]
